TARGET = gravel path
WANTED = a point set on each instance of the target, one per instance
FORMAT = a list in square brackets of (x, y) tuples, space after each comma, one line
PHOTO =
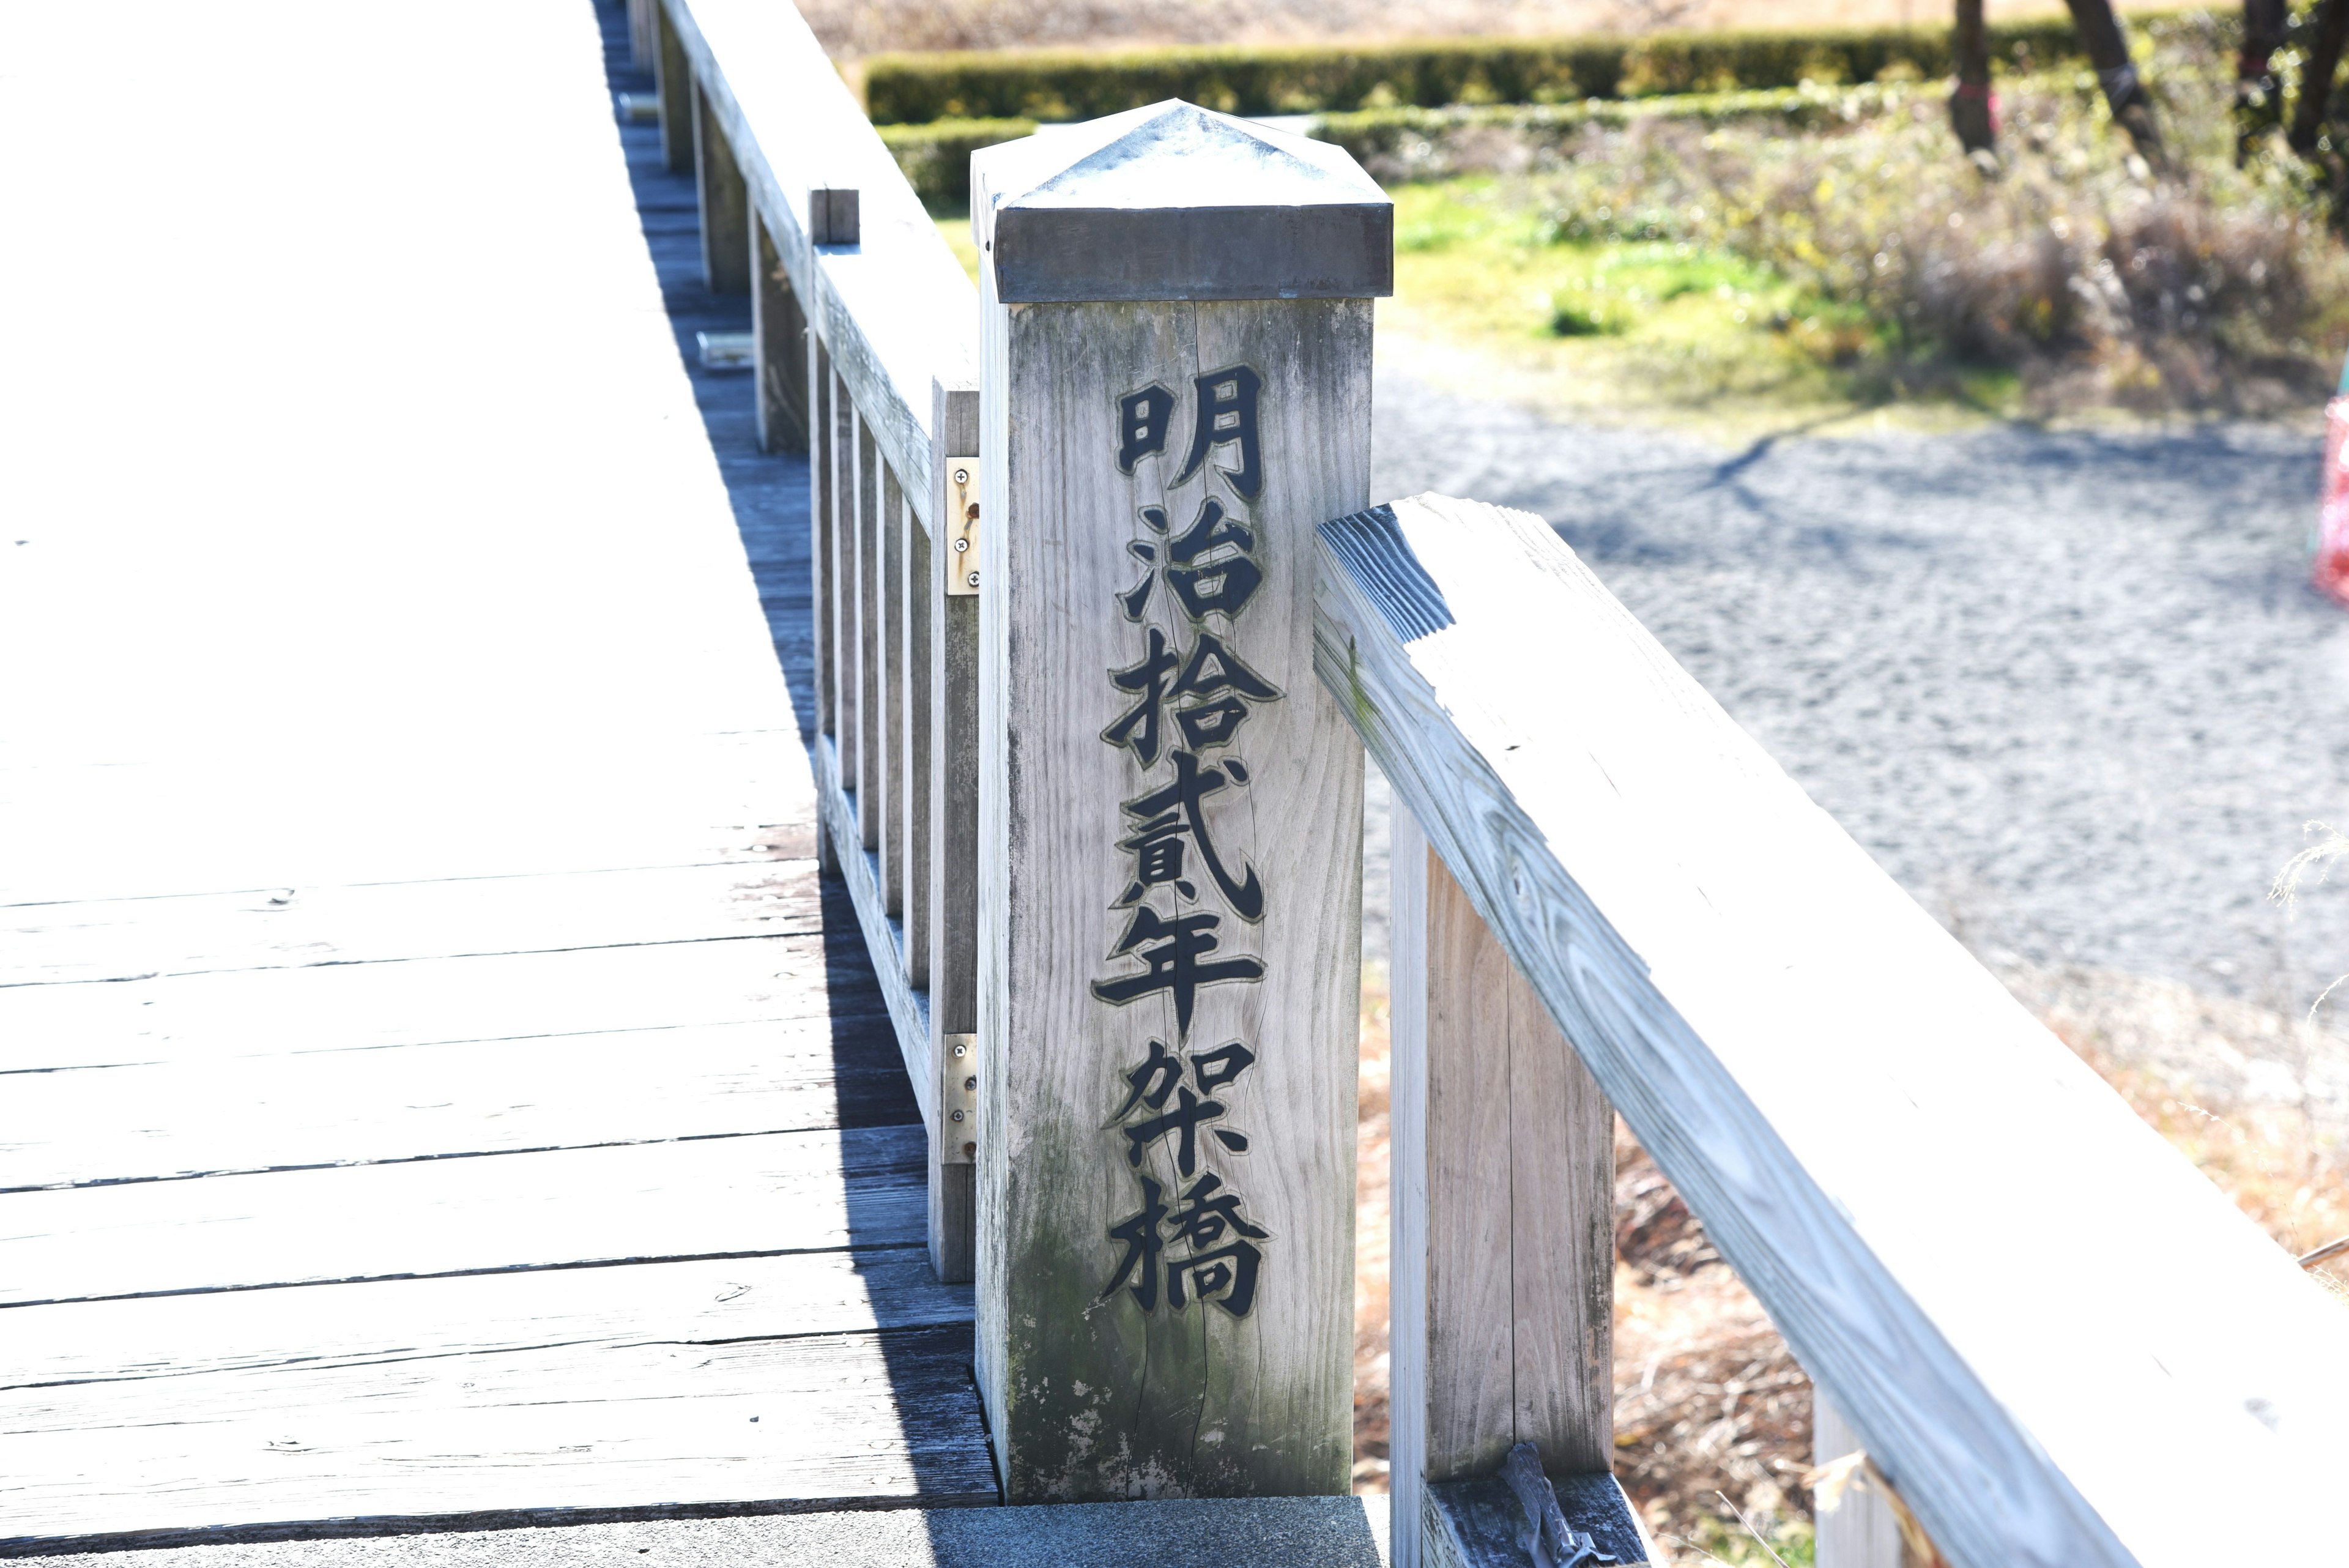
[(2071, 688)]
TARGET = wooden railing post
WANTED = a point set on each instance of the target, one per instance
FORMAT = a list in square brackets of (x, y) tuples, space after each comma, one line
[(1501, 1282), (823, 565), (725, 204), (1177, 389), (950, 789), (1861, 1529), (673, 79), (779, 326), (643, 46)]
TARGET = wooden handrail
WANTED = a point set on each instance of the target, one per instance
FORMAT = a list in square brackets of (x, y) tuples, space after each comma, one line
[(865, 333), (895, 309), (1890, 1151)]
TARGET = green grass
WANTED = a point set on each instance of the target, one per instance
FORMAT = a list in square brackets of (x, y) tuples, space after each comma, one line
[(1492, 298), (1491, 291)]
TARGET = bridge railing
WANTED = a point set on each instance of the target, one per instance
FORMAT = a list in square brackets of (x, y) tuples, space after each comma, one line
[(1100, 821), (2060, 1343), (865, 353)]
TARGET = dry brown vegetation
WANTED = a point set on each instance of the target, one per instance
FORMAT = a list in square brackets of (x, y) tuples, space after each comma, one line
[(1709, 1400), (851, 28)]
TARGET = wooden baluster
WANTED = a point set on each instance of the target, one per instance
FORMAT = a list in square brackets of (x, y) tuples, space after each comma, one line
[(643, 46), (1860, 1530), (870, 785), (778, 325), (1116, 987), (724, 201), (953, 816), (844, 589), (823, 486), (889, 693), (911, 810), (1501, 1282), (673, 79)]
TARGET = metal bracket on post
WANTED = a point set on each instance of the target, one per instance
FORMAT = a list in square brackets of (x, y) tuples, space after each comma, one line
[(962, 525), (958, 1100)]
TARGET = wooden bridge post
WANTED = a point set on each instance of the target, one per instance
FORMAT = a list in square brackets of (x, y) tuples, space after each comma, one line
[(1501, 1287), (673, 80), (724, 201), (1177, 392), (779, 328)]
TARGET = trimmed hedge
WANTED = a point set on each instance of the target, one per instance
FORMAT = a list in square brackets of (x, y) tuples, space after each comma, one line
[(935, 156), (1382, 136), (1409, 143), (1077, 84)]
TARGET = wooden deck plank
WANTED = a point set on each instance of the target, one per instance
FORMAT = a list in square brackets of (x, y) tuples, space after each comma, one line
[(430, 602), (233, 1013), (176, 1343), (221, 821), (710, 1197), (133, 939), (173, 1120), (850, 1421)]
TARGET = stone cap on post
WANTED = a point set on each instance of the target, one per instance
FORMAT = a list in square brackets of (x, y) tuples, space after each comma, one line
[(1173, 201)]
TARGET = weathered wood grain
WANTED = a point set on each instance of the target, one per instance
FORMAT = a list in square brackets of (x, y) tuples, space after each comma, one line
[(952, 803), (847, 650), (709, 1197), (911, 588), (725, 205), (859, 1420), (889, 695), (328, 1108), (884, 939), (1860, 1530), (871, 783), (673, 73), (1089, 1395), (212, 820), (1502, 1263), (894, 309), (1828, 1077), (780, 329), (823, 568), (172, 1343), (216, 1018), (132, 939), (362, 623)]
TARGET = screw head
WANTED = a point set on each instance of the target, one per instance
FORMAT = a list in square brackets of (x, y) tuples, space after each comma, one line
[(970, 1149), (972, 579), (957, 1116), (962, 477), (960, 546), (970, 1083)]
